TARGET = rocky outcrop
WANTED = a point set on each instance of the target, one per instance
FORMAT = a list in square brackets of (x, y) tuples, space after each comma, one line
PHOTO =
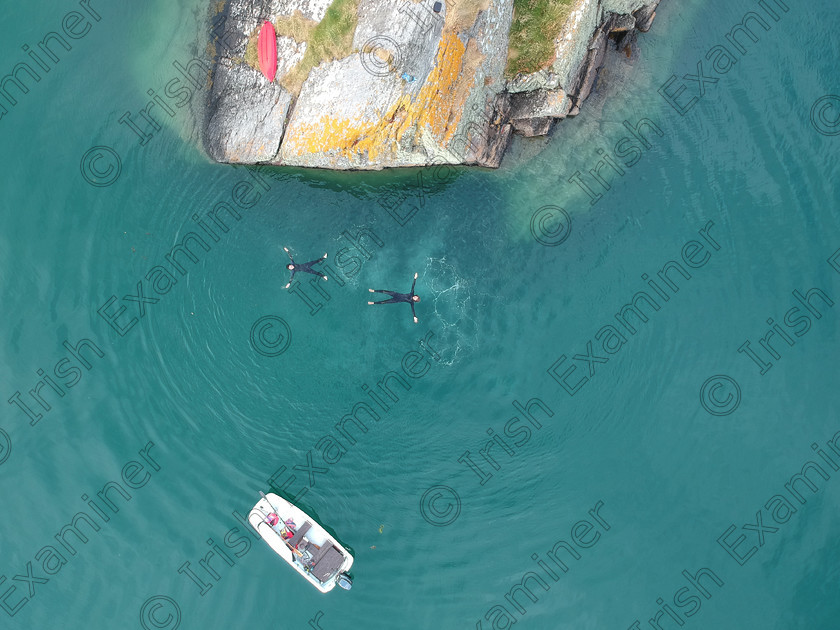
[(249, 116), (419, 87)]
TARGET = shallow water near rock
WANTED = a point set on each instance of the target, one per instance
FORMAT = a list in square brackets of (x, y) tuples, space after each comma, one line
[(642, 450)]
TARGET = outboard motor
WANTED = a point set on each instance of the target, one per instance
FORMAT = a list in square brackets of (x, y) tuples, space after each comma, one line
[(344, 581)]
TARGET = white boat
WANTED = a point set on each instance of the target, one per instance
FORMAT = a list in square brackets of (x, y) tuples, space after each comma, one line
[(302, 542)]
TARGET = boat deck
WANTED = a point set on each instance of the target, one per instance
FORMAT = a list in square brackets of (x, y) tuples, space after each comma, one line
[(321, 561)]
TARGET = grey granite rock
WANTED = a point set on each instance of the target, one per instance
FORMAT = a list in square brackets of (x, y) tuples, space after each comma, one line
[(644, 16), (540, 104), (249, 116)]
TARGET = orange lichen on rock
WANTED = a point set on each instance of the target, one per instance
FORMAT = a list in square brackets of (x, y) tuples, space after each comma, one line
[(437, 108), (436, 100)]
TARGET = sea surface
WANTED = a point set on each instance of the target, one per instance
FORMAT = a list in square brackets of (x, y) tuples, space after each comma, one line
[(639, 470)]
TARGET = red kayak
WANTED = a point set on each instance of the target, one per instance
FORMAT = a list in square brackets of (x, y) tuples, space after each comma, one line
[(267, 50)]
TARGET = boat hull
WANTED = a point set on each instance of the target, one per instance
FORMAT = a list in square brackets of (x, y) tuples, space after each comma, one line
[(267, 50), (316, 535)]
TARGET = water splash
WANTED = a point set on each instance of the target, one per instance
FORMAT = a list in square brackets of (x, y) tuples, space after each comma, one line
[(453, 304)]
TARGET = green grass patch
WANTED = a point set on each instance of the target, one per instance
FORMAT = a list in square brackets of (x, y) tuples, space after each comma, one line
[(251, 55), (536, 23), (331, 39)]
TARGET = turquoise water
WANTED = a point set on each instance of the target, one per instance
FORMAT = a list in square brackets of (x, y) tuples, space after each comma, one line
[(631, 476)]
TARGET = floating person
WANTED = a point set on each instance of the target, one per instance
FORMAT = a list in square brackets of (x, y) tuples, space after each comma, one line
[(304, 267), (396, 298)]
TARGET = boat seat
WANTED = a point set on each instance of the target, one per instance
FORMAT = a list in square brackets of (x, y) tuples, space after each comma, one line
[(326, 562), (300, 533)]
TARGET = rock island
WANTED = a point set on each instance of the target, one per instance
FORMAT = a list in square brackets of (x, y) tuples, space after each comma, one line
[(372, 84)]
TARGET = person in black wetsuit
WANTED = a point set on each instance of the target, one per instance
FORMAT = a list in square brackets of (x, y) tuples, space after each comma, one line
[(395, 298), (304, 267)]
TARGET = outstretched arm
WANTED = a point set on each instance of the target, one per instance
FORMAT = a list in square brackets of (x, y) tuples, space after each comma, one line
[(292, 277), (290, 255), (412, 312), (412, 285)]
